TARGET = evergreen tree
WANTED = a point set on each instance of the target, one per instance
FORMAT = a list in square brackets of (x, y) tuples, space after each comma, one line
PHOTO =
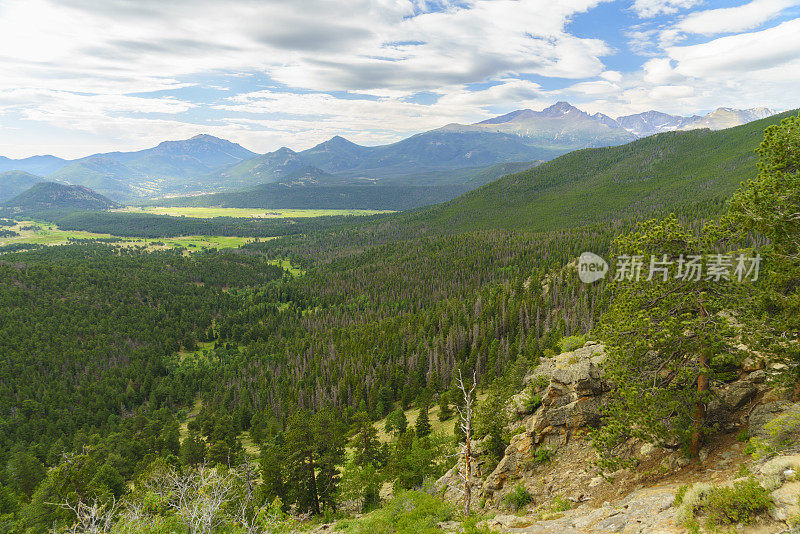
[(301, 463), (273, 464), (423, 424), (365, 442), (445, 410), (193, 449), (329, 433), (396, 422), (768, 204), (662, 336), (26, 471), (491, 421)]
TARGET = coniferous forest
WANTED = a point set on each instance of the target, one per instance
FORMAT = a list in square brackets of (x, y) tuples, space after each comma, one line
[(242, 390)]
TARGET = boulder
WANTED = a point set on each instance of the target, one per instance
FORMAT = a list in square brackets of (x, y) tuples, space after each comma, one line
[(786, 501), (762, 415), (752, 363), (727, 401), (739, 393), (511, 466), (579, 369), (757, 377), (579, 413)]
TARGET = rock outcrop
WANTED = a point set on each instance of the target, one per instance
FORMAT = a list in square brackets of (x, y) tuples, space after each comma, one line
[(571, 389), (572, 398), (554, 464)]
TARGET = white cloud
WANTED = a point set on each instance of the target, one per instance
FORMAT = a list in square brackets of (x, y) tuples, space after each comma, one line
[(739, 55), (325, 45), (651, 8), (611, 75), (74, 66), (724, 20), (733, 19)]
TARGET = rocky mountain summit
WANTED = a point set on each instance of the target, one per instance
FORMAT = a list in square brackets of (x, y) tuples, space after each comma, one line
[(551, 462)]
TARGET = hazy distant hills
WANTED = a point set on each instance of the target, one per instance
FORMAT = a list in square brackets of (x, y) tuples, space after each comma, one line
[(453, 155), (429, 158), (171, 166), (53, 196), (310, 187), (39, 165), (12, 183)]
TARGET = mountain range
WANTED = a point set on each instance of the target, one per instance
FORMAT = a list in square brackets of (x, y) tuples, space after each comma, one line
[(453, 155), (691, 172), (49, 196)]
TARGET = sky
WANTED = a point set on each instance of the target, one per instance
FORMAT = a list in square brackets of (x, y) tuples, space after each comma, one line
[(84, 76)]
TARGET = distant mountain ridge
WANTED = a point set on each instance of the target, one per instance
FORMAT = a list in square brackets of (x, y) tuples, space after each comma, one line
[(39, 165), (12, 183), (691, 171), (53, 196), (522, 135), (653, 122), (439, 157)]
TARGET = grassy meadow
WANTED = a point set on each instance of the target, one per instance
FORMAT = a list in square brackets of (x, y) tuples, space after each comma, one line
[(208, 213), (44, 233)]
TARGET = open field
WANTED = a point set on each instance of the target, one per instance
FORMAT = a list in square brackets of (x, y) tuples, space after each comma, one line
[(207, 213), (41, 233)]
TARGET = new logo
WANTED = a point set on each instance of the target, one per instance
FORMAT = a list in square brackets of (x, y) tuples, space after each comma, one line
[(591, 267)]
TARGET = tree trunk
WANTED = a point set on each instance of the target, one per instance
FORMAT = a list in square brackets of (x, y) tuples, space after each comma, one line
[(700, 408), (797, 378), (313, 483), (468, 462)]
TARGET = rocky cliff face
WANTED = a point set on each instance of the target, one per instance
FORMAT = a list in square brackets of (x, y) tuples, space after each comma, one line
[(554, 464)]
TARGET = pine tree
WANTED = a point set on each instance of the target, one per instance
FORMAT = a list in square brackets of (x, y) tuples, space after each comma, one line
[(365, 443), (662, 336), (273, 463), (301, 463), (445, 410), (329, 447), (423, 424), (768, 204), (396, 423), (193, 449)]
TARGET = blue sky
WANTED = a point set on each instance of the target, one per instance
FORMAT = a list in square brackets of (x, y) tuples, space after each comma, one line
[(81, 76)]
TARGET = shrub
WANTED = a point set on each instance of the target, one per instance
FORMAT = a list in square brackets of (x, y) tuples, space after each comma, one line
[(570, 343), (723, 505), (560, 504), (738, 504), (409, 512), (784, 431), (541, 456), (533, 401), (680, 494), (691, 502), (518, 498), (772, 472), (726, 366)]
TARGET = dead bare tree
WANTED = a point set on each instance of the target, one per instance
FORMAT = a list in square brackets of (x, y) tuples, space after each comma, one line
[(94, 518), (199, 495), (465, 420), (243, 509)]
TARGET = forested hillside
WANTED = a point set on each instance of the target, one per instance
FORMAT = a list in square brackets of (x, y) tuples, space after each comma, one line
[(696, 171)]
